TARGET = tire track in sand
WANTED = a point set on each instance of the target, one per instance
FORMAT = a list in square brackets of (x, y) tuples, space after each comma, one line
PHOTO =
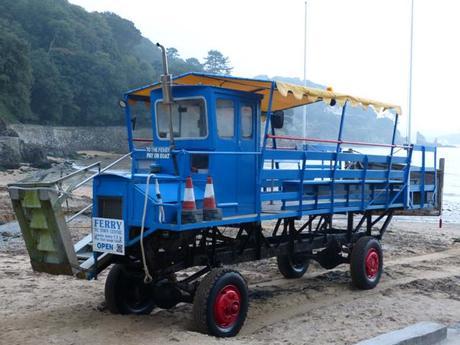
[(288, 305)]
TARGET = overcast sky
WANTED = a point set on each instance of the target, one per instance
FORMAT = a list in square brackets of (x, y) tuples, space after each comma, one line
[(356, 46)]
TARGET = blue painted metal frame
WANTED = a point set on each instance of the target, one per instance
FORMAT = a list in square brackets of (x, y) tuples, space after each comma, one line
[(315, 182)]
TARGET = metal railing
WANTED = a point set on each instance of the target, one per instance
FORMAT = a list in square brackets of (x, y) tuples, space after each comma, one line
[(72, 188), (64, 194)]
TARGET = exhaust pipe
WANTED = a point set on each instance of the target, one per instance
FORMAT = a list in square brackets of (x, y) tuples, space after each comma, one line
[(166, 86), (166, 78)]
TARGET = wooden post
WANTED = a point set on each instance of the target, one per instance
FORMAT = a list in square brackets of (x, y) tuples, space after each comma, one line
[(440, 183)]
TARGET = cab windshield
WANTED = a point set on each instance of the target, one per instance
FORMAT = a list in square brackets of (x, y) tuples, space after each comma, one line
[(188, 118)]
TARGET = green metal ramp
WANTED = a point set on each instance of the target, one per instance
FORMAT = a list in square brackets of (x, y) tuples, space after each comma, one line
[(44, 229), (47, 236), (38, 209)]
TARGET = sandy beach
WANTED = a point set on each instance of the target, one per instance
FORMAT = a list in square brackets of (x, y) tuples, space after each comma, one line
[(421, 282)]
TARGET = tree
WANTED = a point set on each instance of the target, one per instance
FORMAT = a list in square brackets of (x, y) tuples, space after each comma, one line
[(217, 63), (124, 32), (172, 53), (50, 95), (15, 75), (194, 64), (180, 66)]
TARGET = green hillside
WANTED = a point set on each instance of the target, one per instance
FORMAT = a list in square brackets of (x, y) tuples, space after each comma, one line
[(62, 65)]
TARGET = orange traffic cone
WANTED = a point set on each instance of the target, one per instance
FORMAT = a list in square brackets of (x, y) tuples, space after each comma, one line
[(210, 210), (189, 212), (189, 195)]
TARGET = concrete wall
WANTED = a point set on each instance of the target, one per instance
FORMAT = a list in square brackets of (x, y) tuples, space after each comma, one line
[(10, 152), (64, 140)]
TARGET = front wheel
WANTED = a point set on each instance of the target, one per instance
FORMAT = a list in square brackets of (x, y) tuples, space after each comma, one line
[(126, 293), (366, 263), (221, 303)]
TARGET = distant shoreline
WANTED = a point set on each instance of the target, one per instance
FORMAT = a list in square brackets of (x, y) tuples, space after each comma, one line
[(448, 146)]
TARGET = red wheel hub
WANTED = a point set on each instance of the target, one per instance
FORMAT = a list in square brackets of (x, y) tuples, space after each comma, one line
[(372, 263), (227, 306)]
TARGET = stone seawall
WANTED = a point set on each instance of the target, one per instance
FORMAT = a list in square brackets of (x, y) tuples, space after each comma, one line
[(65, 140)]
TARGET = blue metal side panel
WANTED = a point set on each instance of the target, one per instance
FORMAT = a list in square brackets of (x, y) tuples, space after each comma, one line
[(302, 191), (110, 185)]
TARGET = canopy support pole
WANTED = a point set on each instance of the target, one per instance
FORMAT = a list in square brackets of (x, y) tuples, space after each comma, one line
[(269, 114), (342, 121), (264, 147), (393, 138), (337, 150)]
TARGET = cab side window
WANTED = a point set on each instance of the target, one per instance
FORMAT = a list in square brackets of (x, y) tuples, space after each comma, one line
[(225, 110), (141, 123), (246, 114)]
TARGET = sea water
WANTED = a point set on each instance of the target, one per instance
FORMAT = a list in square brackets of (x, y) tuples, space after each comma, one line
[(451, 192), (451, 195)]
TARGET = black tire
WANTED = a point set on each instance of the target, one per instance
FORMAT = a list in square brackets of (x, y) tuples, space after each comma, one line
[(292, 268), (220, 290), (366, 263), (126, 293)]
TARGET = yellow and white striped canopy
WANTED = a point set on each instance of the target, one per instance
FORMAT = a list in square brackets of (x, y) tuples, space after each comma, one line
[(285, 95)]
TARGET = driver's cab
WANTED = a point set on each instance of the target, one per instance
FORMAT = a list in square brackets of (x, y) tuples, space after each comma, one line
[(216, 132)]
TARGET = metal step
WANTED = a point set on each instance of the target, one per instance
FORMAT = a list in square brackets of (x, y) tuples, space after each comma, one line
[(84, 255), (83, 243)]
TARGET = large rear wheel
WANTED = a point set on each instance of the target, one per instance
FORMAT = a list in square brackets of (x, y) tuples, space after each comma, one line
[(366, 263), (126, 292), (221, 303)]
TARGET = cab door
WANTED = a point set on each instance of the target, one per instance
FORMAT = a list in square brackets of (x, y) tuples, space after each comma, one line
[(247, 143), (225, 167), (235, 172)]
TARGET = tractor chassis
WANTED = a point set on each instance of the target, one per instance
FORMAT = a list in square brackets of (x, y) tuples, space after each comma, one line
[(317, 239)]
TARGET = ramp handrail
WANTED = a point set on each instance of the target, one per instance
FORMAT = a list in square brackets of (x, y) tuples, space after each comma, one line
[(64, 194), (86, 180), (72, 188), (53, 182)]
